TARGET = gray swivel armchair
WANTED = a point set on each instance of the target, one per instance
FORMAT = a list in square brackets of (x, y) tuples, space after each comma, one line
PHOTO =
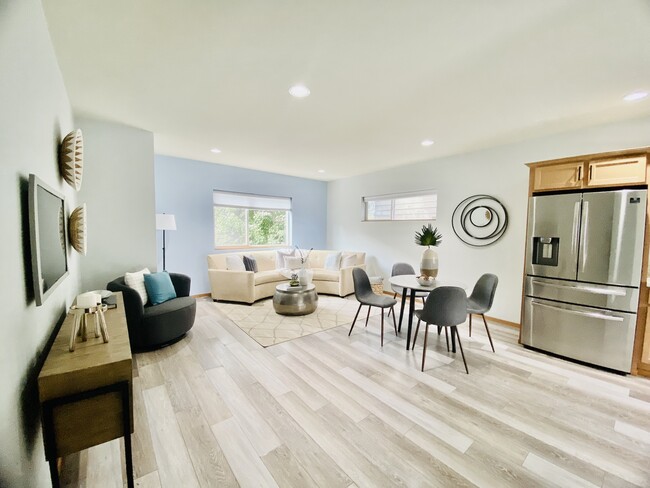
[(445, 307), (481, 299), (153, 326), (364, 294)]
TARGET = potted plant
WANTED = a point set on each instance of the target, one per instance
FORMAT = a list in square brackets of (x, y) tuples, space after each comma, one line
[(428, 236)]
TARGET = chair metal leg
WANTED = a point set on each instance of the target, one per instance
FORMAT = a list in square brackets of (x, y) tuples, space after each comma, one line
[(423, 301), (470, 325), (391, 308), (424, 349), (488, 332), (417, 329), (439, 329), (455, 329), (355, 319), (382, 327), (394, 321), (368, 316), (447, 339)]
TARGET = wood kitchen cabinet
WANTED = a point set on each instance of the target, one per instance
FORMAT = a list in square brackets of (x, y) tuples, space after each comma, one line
[(620, 171), (558, 176), (614, 169)]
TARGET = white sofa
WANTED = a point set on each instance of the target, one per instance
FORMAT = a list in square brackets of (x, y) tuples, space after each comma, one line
[(248, 287)]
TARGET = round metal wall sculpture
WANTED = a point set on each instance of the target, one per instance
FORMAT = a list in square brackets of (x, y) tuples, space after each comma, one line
[(479, 220)]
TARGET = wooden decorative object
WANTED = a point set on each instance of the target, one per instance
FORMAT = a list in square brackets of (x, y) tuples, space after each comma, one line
[(71, 158), (77, 229)]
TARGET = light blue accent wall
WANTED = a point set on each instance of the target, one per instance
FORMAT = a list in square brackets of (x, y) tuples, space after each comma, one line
[(184, 188)]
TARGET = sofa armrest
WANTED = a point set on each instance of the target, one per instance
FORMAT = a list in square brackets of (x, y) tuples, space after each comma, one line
[(181, 284), (234, 286), (346, 284), (133, 306)]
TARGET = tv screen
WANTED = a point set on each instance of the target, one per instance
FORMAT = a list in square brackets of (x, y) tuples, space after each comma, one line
[(48, 238)]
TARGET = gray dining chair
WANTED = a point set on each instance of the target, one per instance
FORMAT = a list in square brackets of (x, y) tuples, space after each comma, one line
[(400, 269), (364, 294), (445, 307), (481, 299)]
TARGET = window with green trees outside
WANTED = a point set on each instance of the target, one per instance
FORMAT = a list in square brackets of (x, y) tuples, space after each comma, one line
[(244, 220)]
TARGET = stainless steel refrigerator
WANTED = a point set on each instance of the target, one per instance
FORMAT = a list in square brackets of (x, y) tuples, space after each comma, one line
[(583, 272)]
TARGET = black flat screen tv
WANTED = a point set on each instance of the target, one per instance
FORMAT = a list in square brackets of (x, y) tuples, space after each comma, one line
[(48, 238)]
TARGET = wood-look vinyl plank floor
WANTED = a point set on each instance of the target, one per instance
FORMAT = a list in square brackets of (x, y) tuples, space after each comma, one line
[(328, 410)]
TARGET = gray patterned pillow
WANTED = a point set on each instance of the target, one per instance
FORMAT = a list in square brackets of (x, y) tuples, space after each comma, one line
[(250, 263)]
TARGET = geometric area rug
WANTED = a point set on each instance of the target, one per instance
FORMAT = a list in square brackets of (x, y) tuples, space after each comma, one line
[(260, 321)]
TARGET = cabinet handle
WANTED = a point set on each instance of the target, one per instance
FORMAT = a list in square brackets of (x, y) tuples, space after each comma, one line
[(579, 173), (590, 171)]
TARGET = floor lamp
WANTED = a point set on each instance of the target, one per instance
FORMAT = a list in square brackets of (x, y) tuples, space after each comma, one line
[(165, 222)]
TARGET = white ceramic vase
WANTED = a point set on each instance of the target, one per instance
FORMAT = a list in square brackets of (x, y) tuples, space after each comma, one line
[(305, 276), (429, 263)]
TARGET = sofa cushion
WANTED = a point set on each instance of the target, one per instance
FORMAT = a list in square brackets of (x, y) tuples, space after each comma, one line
[(325, 275), (136, 281), (333, 261), (159, 287), (268, 277), (292, 262), (250, 263), (348, 260), (280, 257), (234, 262), (169, 306)]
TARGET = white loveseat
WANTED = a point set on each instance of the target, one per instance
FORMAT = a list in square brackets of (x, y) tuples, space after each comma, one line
[(248, 287)]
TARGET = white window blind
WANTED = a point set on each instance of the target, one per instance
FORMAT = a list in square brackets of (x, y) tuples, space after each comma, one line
[(248, 200), (419, 205)]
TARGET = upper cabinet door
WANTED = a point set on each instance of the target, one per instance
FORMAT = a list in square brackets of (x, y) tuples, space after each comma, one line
[(616, 172), (558, 176)]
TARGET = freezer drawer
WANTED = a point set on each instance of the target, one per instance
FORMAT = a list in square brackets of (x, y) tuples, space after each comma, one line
[(587, 334), (601, 296)]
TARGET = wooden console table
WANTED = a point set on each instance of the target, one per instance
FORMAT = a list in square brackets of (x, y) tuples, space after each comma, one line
[(86, 395)]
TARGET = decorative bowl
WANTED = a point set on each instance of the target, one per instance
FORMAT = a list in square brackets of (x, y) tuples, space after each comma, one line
[(426, 280)]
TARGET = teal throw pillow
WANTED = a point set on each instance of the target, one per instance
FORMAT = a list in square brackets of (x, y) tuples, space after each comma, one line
[(159, 287)]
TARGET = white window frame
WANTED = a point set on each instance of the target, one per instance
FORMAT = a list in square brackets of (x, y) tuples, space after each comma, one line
[(252, 201), (392, 197)]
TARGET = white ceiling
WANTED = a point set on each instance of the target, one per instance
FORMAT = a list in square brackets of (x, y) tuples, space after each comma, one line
[(384, 74)]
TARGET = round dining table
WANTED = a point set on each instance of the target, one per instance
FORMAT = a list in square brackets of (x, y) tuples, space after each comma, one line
[(410, 286)]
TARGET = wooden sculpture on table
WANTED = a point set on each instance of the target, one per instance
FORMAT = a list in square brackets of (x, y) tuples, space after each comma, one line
[(88, 304)]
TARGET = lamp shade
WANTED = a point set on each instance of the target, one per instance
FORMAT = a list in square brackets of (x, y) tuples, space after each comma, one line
[(165, 222)]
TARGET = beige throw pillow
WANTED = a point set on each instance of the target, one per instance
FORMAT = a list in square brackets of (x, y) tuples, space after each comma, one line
[(281, 256), (235, 263), (136, 281), (348, 260)]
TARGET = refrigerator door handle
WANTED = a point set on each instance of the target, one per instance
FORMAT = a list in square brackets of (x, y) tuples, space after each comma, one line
[(576, 228), (583, 237), (589, 289), (593, 315)]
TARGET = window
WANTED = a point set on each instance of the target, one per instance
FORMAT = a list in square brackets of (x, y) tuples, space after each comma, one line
[(419, 205), (245, 220)]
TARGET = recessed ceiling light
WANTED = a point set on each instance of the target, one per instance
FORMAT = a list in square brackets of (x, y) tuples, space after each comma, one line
[(215, 150), (299, 91), (427, 142), (638, 95), (321, 171)]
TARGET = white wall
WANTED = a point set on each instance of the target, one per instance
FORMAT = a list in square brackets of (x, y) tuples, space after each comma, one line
[(35, 114), (118, 189), (499, 172)]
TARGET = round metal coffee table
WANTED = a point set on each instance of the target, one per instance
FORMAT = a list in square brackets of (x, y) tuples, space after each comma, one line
[(295, 300)]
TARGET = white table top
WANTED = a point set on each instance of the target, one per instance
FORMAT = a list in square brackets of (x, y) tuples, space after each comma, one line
[(411, 282)]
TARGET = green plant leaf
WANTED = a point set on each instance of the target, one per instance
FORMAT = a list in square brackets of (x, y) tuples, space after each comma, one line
[(428, 236)]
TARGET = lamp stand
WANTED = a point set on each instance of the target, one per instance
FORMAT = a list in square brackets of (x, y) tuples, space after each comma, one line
[(163, 250)]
